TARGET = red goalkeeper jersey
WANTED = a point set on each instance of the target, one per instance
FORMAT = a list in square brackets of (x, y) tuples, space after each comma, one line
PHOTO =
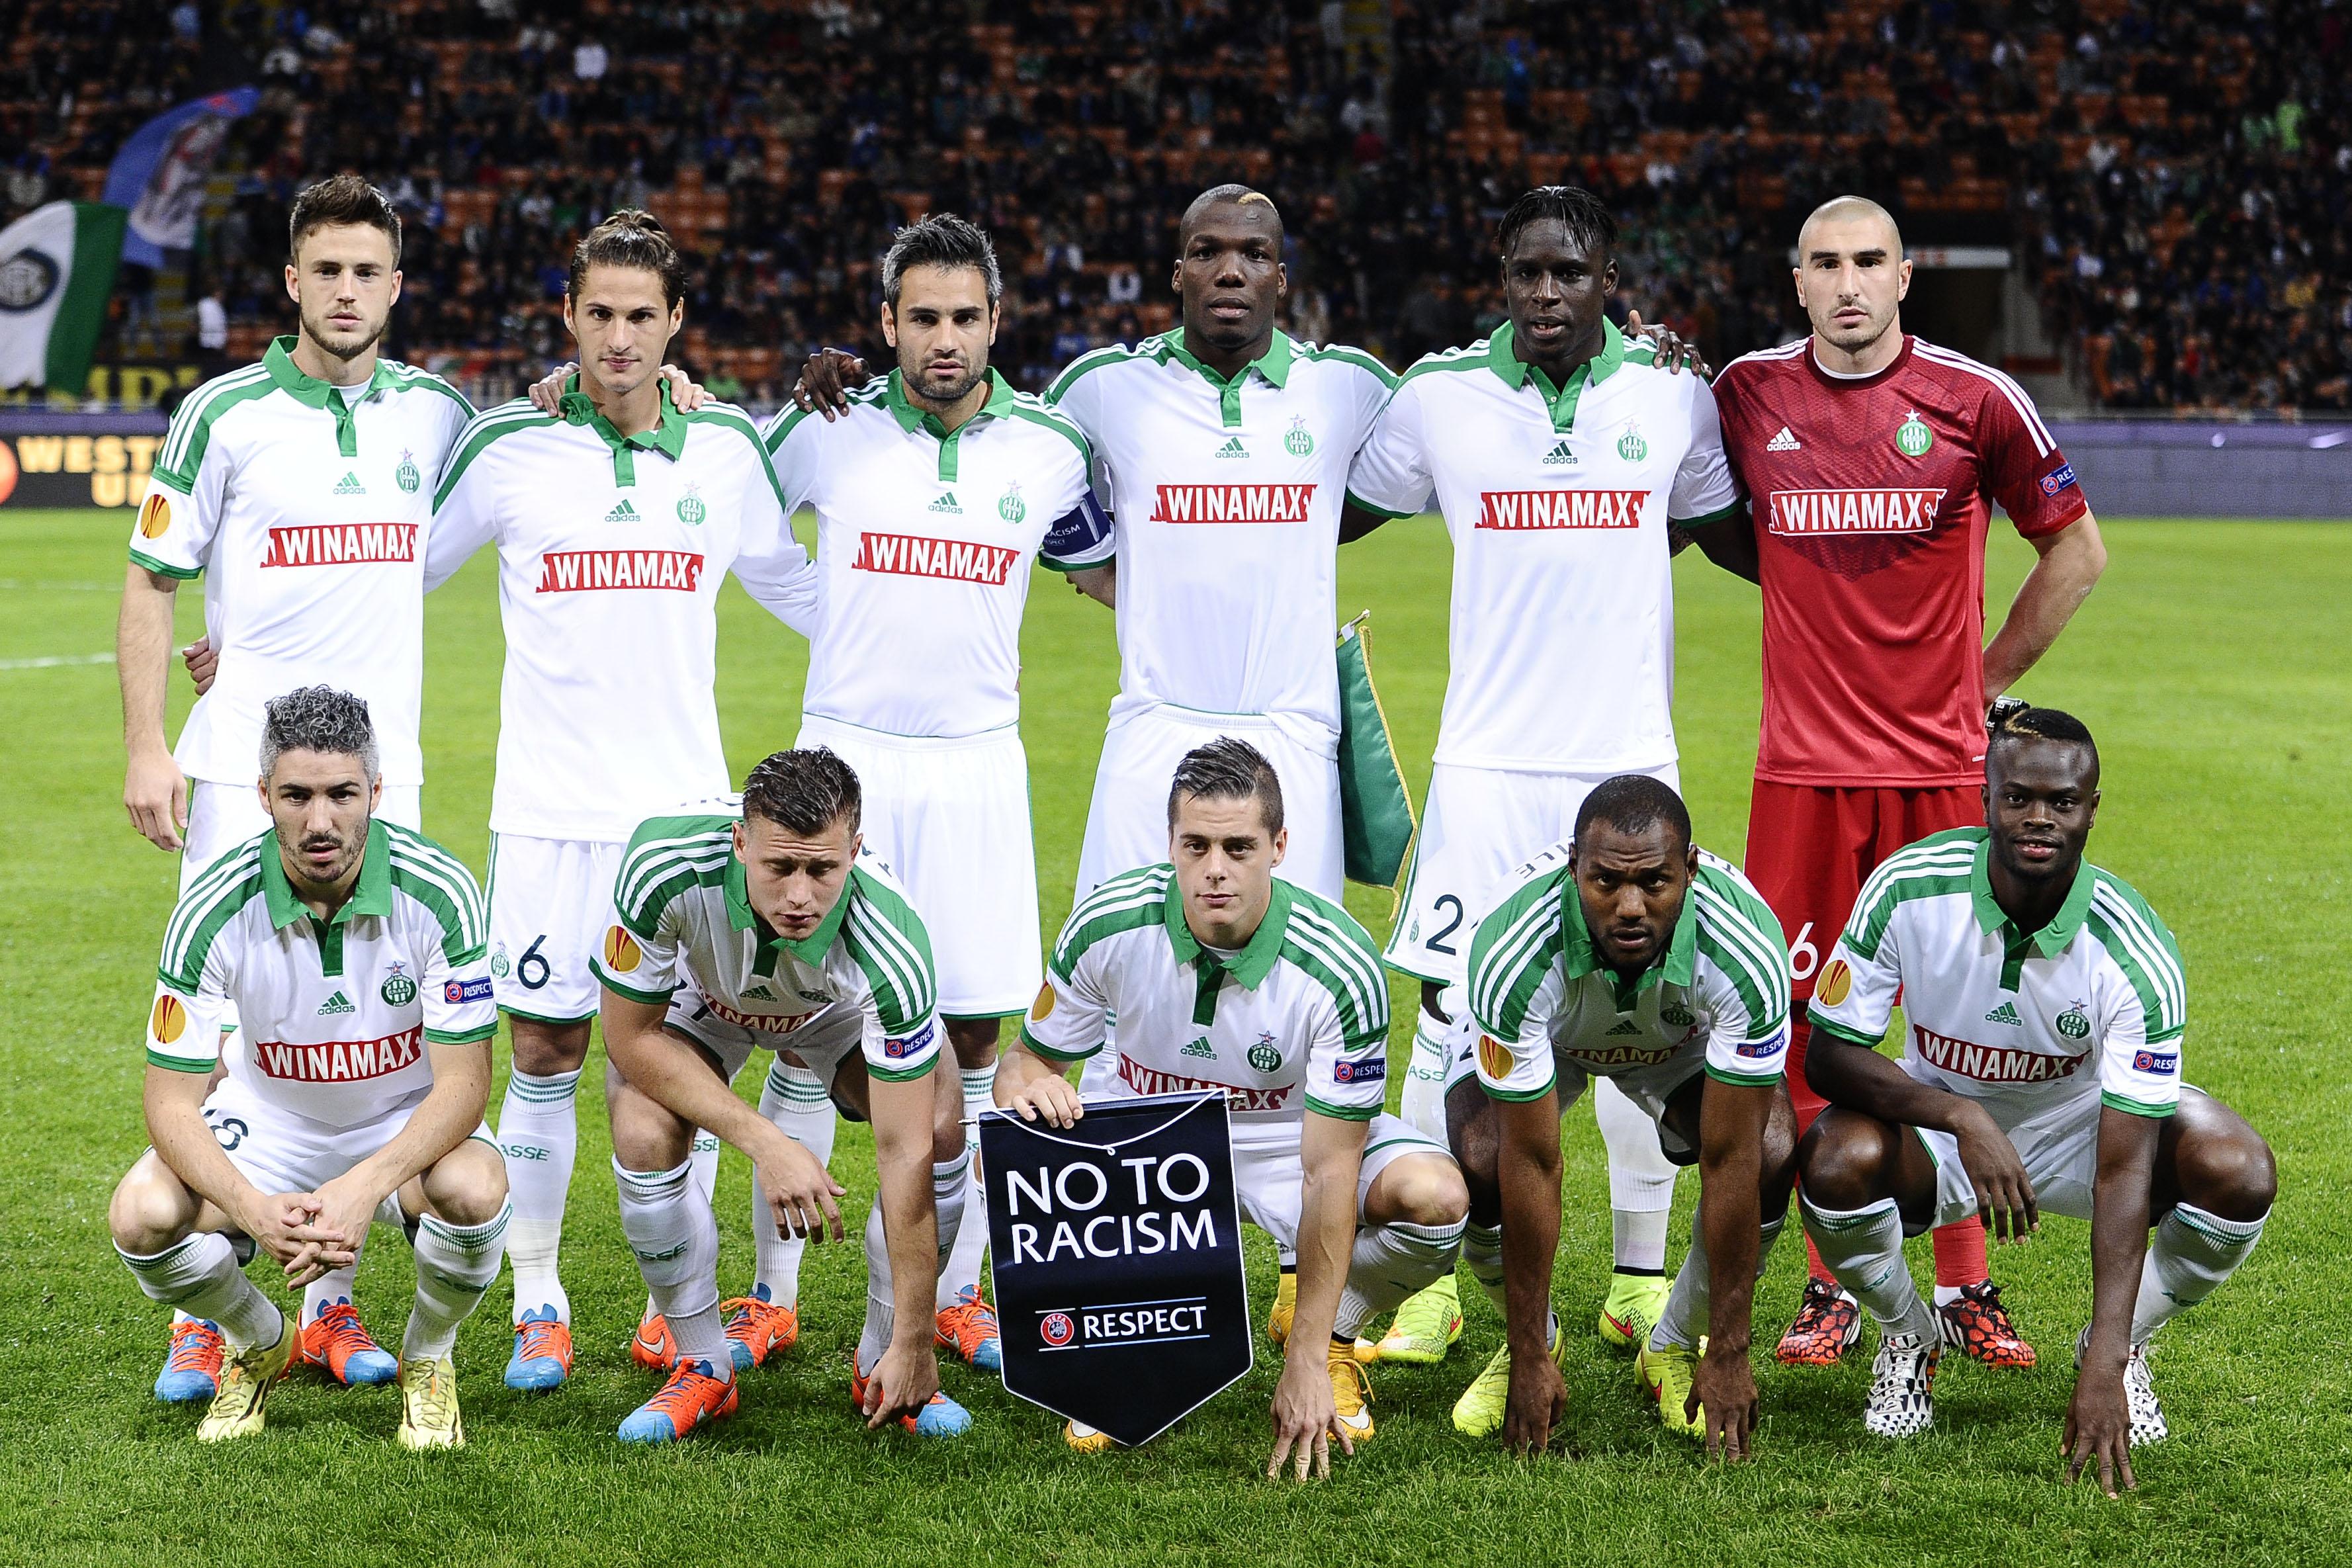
[(1871, 498)]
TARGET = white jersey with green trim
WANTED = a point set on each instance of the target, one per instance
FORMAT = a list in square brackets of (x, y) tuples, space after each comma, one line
[(305, 510), (1562, 635), (1298, 1020), (337, 1014), (1716, 1002), (611, 549), (1225, 499), (2009, 1018), (681, 917), (925, 538)]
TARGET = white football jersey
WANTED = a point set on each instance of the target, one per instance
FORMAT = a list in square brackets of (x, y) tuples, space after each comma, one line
[(1224, 499), (337, 1014), (1716, 1002), (1562, 629), (305, 513), (681, 916), (611, 549), (924, 543), (1296, 1021), (2095, 1002)]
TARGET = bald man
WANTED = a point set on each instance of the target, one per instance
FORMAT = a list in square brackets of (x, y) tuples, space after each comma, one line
[(1870, 462)]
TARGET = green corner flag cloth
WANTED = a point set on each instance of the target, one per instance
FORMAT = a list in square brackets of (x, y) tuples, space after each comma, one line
[(56, 270), (1375, 812)]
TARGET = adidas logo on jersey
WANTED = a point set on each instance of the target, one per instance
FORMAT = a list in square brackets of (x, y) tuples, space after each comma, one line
[(1232, 448), (2005, 1014), (947, 503), (1626, 1027), (335, 1007), (1786, 441), (624, 512), (1200, 1048), (348, 485), (1559, 455)]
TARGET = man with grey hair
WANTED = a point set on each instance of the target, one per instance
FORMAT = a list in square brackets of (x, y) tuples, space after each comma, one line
[(356, 954), (934, 492)]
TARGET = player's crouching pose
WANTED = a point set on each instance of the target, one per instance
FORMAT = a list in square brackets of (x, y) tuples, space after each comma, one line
[(767, 930), (1632, 954), (2044, 1006), (1223, 976), (356, 955)]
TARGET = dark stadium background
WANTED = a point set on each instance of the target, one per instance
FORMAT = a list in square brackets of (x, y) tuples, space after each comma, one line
[(2168, 182)]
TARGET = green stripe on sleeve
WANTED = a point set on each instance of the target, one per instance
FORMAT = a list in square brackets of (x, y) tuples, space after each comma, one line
[(1342, 1112)]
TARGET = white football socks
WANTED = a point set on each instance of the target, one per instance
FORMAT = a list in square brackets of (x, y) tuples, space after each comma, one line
[(796, 1099), (1423, 1101), (1641, 1178), (961, 1269), (2189, 1257), (1863, 1249), (1389, 1263), (330, 1287), (455, 1265), (200, 1277), (1685, 1316), (1482, 1254), (947, 1186), (669, 1227), (539, 1133)]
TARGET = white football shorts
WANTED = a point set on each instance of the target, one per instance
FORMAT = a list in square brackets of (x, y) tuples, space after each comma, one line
[(550, 904), (1270, 1180), (281, 1151)]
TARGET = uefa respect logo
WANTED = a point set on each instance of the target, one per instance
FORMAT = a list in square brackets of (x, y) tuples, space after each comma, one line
[(1056, 1330)]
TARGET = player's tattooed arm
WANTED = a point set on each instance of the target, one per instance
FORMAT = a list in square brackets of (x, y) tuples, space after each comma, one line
[(1732, 1118), (687, 393), (1844, 1073), (825, 380), (1675, 353), (1527, 1168), (2098, 1418)]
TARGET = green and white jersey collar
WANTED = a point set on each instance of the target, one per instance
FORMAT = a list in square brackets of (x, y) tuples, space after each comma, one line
[(1256, 959), (309, 391), (2054, 938), (1675, 966), (1503, 358), (1274, 365), (910, 418), (370, 895), (811, 948), (667, 437)]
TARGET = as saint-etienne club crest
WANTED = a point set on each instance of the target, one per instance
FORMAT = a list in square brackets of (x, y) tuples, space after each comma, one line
[(397, 990), (690, 509), (1912, 437), (406, 476), (1631, 446), (1010, 506), (1299, 442)]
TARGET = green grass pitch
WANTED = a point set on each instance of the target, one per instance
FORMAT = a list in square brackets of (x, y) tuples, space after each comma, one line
[(2214, 665)]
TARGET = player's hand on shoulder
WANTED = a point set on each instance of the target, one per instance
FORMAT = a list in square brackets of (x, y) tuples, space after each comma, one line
[(1305, 1418), (1675, 353), (824, 383), (800, 1191), (1048, 1098), (2098, 1430), (1536, 1400), (684, 390), (1723, 1385), (547, 392), (155, 793), (202, 663), (2004, 1193)]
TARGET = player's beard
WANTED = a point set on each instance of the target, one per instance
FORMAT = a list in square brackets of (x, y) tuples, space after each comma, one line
[(945, 397), (347, 850), (346, 348)]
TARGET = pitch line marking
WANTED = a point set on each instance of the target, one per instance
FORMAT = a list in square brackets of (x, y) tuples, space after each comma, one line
[(56, 661)]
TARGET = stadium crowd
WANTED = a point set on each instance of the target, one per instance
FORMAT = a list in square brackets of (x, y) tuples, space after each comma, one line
[(2174, 173)]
